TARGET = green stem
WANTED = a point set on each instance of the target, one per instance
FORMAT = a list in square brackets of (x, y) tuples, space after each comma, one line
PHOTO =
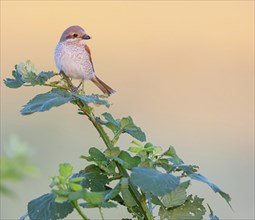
[(110, 144), (56, 86), (116, 136), (101, 213), (98, 126), (136, 195), (77, 207)]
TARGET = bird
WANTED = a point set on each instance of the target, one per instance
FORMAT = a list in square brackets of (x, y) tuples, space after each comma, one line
[(73, 57)]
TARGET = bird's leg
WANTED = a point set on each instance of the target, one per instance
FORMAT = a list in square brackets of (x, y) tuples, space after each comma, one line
[(69, 82), (82, 83), (67, 79)]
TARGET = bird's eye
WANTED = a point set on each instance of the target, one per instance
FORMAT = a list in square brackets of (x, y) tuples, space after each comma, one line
[(75, 35)]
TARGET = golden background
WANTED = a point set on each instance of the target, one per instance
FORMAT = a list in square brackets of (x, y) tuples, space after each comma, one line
[(183, 70)]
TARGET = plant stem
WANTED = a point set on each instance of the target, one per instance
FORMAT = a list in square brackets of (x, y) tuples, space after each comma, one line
[(101, 213), (76, 206), (110, 144), (98, 126)]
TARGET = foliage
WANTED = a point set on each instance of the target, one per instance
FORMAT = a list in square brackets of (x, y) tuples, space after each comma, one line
[(15, 165), (141, 178)]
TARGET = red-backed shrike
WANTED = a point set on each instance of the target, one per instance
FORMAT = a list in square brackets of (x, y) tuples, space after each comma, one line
[(73, 57)]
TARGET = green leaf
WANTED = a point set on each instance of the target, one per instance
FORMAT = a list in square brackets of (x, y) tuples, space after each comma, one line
[(153, 181), (110, 122), (74, 196), (108, 205), (97, 155), (94, 198), (211, 215), (14, 83), (125, 125), (164, 163), (75, 180), (135, 149), (41, 78), (92, 168), (113, 152), (65, 170), (127, 161), (192, 209), (102, 205), (75, 186), (174, 198), (45, 207), (95, 99), (46, 101), (113, 192), (216, 189), (173, 156), (61, 192), (188, 169), (126, 195), (61, 199), (129, 127), (94, 180)]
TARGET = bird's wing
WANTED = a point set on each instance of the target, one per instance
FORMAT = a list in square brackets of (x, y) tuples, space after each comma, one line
[(88, 51)]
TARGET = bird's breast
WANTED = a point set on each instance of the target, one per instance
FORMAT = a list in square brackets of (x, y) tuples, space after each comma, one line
[(73, 60)]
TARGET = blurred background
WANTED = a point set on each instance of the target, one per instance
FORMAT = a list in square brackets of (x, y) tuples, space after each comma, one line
[(184, 70)]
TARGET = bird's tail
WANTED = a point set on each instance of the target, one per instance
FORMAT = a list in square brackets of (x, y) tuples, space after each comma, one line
[(101, 85)]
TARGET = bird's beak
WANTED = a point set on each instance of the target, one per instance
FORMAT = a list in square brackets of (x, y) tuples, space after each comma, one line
[(86, 37)]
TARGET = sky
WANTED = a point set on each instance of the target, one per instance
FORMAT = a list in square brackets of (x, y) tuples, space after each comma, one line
[(184, 71)]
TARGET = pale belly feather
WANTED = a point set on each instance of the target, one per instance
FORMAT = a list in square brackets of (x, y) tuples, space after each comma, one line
[(74, 61)]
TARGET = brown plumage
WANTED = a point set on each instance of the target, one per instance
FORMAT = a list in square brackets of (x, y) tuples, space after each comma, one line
[(73, 57)]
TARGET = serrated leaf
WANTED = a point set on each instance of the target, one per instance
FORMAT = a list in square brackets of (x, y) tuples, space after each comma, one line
[(173, 156), (46, 101), (188, 169), (154, 181), (174, 198), (192, 209), (216, 189), (164, 163), (129, 127), (95, 99), (110, 122), (41, 78), (14, 83), (45, 207), (65, 170), (126, 160), (211, 215)]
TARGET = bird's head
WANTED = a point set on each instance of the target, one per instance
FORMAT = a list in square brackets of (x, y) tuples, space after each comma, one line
[(74, 33)]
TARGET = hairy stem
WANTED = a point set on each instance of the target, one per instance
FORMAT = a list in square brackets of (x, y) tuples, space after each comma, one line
[(77, 207)]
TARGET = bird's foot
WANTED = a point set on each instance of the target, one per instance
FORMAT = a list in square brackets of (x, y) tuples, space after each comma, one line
[(75, 88)]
